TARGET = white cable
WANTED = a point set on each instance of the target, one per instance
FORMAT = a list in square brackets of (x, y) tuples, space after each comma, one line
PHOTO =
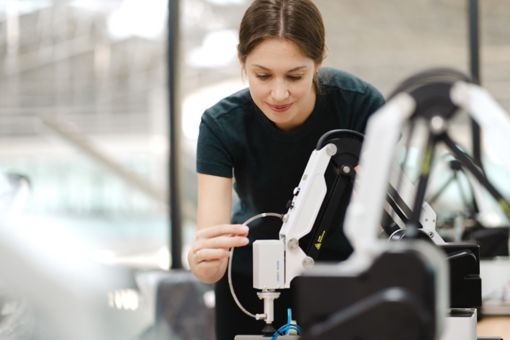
[(231, 286)]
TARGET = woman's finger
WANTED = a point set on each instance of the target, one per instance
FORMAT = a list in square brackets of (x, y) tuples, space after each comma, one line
[(209, 254), (222, 229), (222, 242)]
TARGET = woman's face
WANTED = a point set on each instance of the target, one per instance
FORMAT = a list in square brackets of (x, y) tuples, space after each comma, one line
[(281, 82)]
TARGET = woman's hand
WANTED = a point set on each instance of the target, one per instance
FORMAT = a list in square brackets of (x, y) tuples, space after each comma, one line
[(208, 256)]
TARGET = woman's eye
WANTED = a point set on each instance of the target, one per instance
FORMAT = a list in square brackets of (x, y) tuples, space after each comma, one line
[(294, 78), (263, 76)]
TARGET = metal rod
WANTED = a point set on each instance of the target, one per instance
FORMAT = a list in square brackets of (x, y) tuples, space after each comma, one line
[(175, 233), (425, 167), (474, 40), (474, 66)]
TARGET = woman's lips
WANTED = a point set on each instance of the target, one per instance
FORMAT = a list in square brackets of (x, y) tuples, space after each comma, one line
[(279, 108)]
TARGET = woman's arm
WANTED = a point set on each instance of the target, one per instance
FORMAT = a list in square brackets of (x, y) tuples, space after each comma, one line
[(208, 256)]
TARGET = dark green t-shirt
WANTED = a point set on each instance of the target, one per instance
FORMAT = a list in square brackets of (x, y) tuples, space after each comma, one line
[(237, 139)]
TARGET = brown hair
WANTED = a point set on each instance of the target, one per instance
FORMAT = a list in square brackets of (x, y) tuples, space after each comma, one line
[(296, 20)]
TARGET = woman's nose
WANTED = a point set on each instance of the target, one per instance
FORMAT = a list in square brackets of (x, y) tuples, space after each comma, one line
[(280, 90)]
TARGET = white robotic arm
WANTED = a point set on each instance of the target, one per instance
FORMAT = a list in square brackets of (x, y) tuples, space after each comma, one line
[(297, 222), (277, 262), (488, 114)]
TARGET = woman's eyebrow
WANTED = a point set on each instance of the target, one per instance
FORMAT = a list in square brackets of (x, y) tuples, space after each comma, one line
[(291, 70)]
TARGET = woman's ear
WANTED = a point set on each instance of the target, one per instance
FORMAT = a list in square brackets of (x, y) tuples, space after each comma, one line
[(242, 64), (316, 73), (243, 70), (317, 67)]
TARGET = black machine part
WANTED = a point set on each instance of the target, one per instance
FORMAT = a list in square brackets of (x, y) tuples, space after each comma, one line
[(465, 282), (393, 299), (464, 268)]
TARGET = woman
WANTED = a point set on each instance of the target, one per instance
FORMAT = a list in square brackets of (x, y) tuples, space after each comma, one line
[(258, 142)]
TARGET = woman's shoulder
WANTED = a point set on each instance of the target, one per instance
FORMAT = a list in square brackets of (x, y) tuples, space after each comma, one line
[(229, 106), (332, 78)]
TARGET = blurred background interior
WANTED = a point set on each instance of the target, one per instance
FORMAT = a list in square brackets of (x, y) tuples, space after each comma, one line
[(84, 107)]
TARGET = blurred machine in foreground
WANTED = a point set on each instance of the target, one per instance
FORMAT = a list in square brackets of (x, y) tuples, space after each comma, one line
[(376, 286)]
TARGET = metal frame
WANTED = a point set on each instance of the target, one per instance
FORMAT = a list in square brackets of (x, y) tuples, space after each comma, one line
[(175, 228)]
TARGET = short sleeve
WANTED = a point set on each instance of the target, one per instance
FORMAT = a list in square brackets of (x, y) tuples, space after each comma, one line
[(213, 157)]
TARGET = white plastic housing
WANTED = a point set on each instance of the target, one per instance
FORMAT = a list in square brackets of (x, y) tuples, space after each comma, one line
[(268, 265)]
